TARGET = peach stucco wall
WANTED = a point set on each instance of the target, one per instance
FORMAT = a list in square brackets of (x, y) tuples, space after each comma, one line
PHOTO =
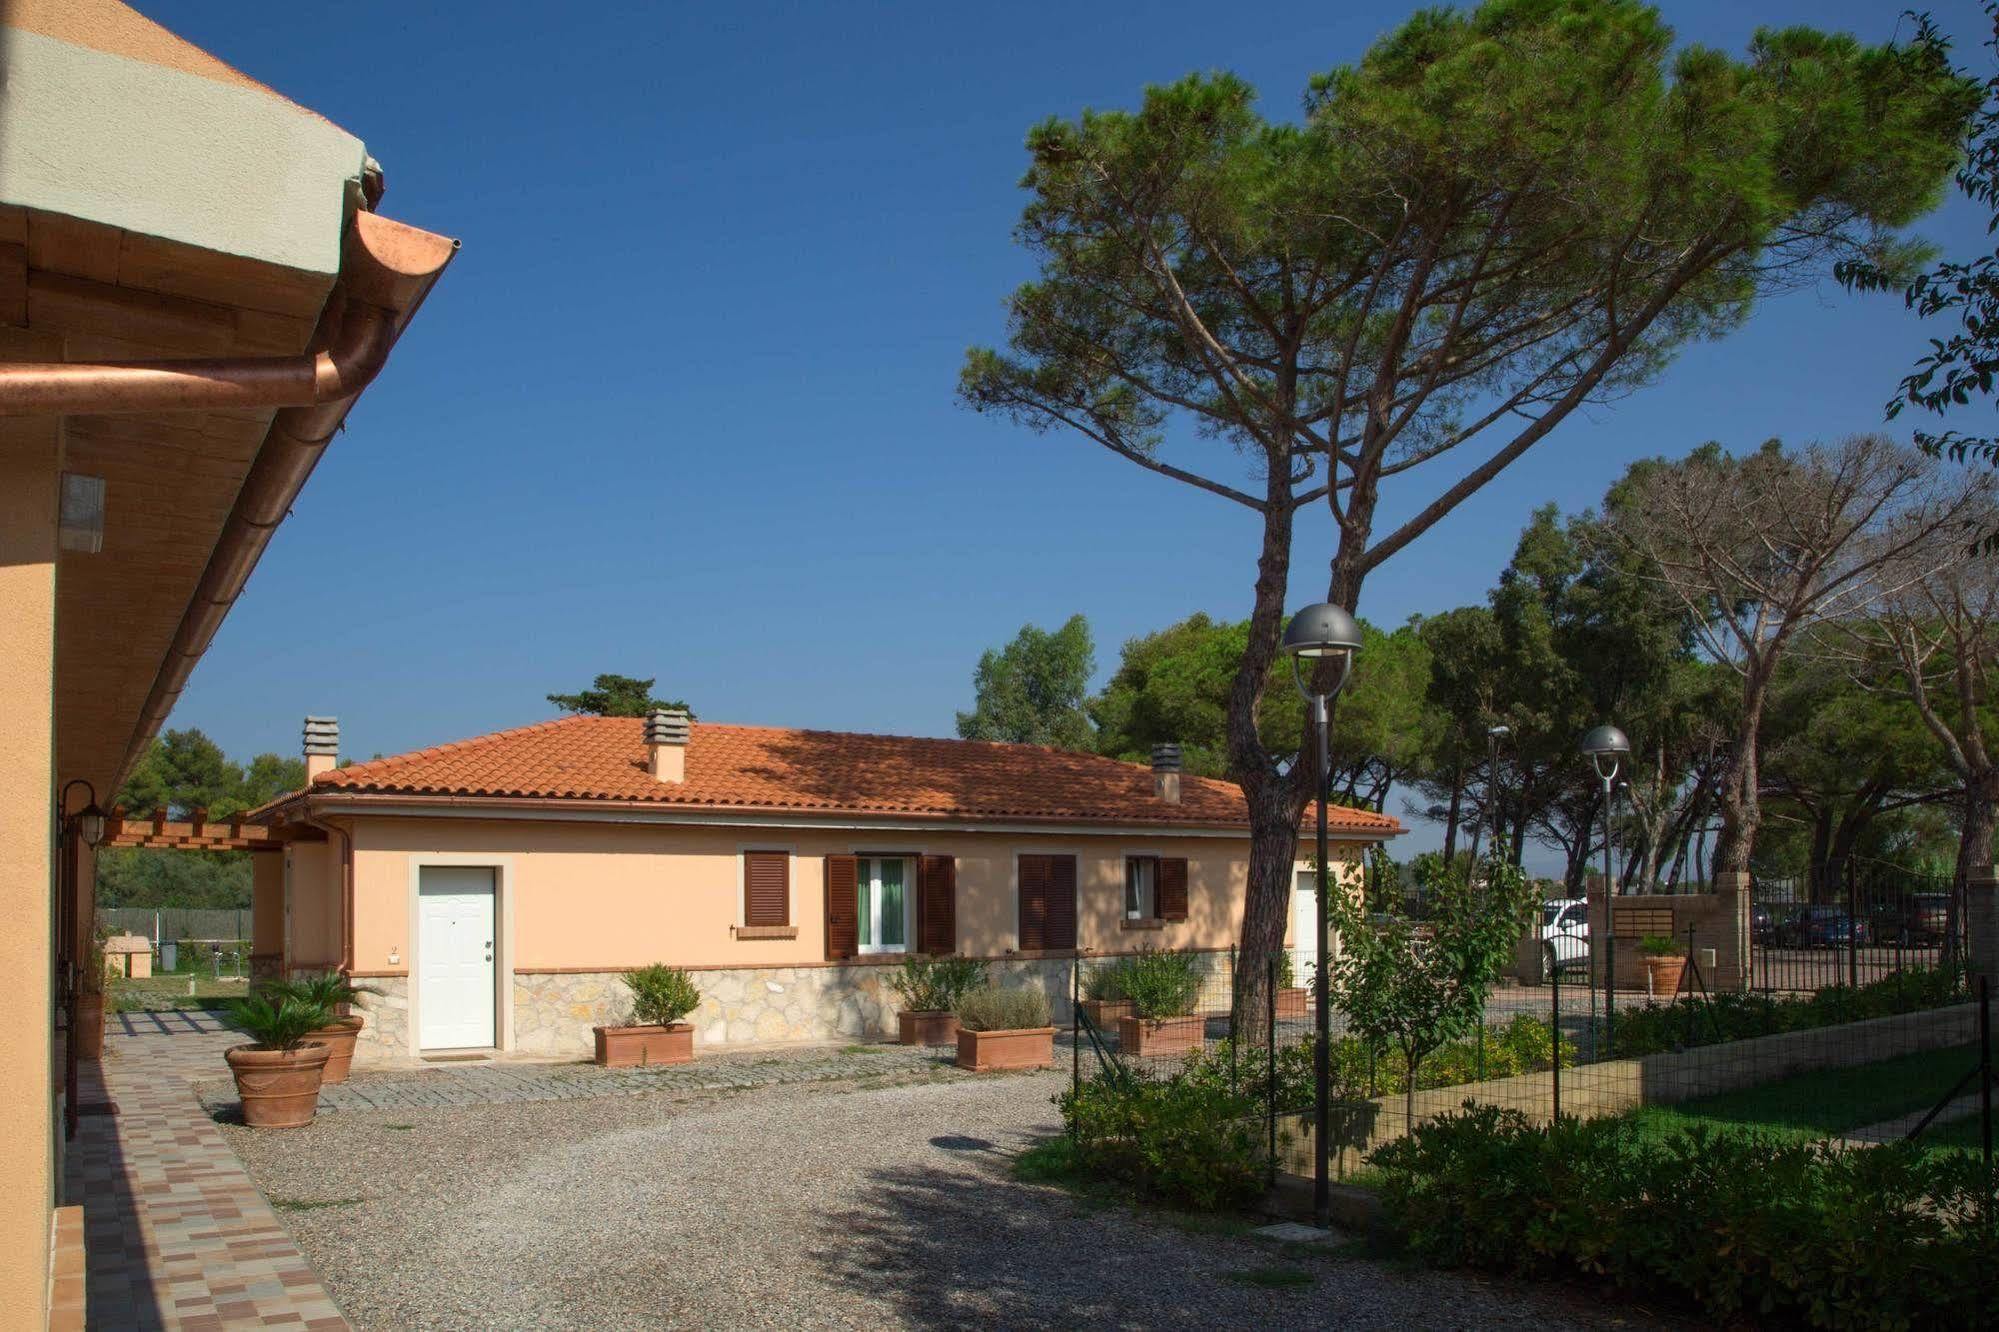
[(312, 897), (586, 896), (30, 458)]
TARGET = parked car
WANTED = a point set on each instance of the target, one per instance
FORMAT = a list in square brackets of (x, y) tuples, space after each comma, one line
[(1762, 924), (1918, 918), (1820, 927), (1564, 933)]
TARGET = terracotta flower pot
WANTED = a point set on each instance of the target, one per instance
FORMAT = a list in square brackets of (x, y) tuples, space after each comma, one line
[(1293, 1003), (628, 1047), (926, 1027), (338, 1037), (1664, 974), (89, 1033), (1103, 1012), (1023, 1047), (1144, 1037), (278, 1088)]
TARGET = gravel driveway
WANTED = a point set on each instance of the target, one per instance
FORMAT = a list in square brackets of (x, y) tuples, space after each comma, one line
[(828, 1206)]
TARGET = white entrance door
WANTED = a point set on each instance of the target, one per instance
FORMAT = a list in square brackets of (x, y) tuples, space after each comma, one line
[(455, 990), (1304, 925)]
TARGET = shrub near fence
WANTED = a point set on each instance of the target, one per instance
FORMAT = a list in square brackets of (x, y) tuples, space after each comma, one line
[(1739, 1225)]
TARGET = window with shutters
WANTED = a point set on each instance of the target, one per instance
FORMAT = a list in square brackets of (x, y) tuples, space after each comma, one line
[(766, 889), (1141, 887), (1047, 903), (883, 903)]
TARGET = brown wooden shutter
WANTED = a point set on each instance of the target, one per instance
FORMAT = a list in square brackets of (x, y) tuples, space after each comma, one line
[(1172, 889), (766, 888), (1061, 929), (843, 907), (937, 904), (1033, 902)]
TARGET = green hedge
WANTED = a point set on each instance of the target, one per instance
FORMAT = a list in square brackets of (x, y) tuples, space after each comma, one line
[(1524, 1044), (1188, 1142), (1743, 1226), (1734, 1016)]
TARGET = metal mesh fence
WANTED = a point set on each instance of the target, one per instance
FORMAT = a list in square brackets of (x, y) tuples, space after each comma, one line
[(1902, 1054)]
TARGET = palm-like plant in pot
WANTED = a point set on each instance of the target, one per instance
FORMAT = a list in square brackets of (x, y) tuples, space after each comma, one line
[(1162, 988), (332, 991), (278, 1074), (1665, 964), (661, 997), (930, 988)]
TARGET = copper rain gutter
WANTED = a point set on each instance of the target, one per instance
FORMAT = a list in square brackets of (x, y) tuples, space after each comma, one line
[(387, 270)]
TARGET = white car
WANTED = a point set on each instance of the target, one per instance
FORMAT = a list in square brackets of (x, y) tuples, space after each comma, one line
[(1564, 932)]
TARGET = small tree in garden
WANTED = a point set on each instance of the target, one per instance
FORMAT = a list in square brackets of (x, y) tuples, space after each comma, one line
[(1416, 990)]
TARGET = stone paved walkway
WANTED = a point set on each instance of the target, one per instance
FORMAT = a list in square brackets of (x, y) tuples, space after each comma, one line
[(501, 1082), (177, 1235)]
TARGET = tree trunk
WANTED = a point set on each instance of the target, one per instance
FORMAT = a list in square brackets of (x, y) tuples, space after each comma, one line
[(1275, 803), (1820, 877), (1741, 812), (1451, 820)]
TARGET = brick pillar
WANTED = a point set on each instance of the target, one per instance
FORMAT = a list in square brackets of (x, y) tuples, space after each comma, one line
[(1981, 921), (1731, 948)]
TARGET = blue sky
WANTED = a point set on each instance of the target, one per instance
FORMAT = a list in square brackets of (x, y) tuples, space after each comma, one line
[(683, 406)]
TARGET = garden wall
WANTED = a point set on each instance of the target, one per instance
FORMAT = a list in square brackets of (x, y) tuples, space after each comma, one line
[(1719, 920), (1591, 1091), (553, 1012)]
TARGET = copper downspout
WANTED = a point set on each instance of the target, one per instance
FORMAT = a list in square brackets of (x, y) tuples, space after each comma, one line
[(346, 889), (353, 358)]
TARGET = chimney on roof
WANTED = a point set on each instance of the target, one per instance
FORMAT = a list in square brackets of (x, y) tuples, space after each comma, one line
[(1166, 773), (666, 744), (322, 746)]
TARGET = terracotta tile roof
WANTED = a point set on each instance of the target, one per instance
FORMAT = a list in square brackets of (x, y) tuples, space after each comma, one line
[(759, 767)]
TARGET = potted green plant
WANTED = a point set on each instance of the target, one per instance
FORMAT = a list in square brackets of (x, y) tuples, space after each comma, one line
[(1103, 992), (661, 997), (278, 1073), (1162, 988), (1665, 964), (1000, 1029), (91, 979), (930, 988), (333, 992), (1293, 1000)]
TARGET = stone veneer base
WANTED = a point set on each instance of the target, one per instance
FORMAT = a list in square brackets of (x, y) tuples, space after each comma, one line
[(555, 1014)]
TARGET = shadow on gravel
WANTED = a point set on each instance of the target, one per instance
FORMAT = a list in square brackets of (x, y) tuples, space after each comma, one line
[(952, 1247)]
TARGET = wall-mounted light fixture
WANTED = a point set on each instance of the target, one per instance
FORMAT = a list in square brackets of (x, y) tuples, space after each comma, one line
[(82, 524)]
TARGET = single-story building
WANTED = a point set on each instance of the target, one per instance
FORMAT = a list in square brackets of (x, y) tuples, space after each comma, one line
[(494, 889)]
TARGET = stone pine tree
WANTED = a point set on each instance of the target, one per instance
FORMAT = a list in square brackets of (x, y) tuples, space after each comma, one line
[(1497, 216), (615, 696)]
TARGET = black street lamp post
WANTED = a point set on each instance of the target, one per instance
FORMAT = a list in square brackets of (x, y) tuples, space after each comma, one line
[(1317, 633), (1606, 747)]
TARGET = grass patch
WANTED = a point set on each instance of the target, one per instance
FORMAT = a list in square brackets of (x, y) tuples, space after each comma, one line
[(863, 1049), (399, 1128), (173, 993), (1270, 1278), (1962, 1135), (311, 1204), (1051, 1161), (1821, 1103)]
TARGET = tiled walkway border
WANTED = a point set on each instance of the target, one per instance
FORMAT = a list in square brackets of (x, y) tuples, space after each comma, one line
[(177, 1236)]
